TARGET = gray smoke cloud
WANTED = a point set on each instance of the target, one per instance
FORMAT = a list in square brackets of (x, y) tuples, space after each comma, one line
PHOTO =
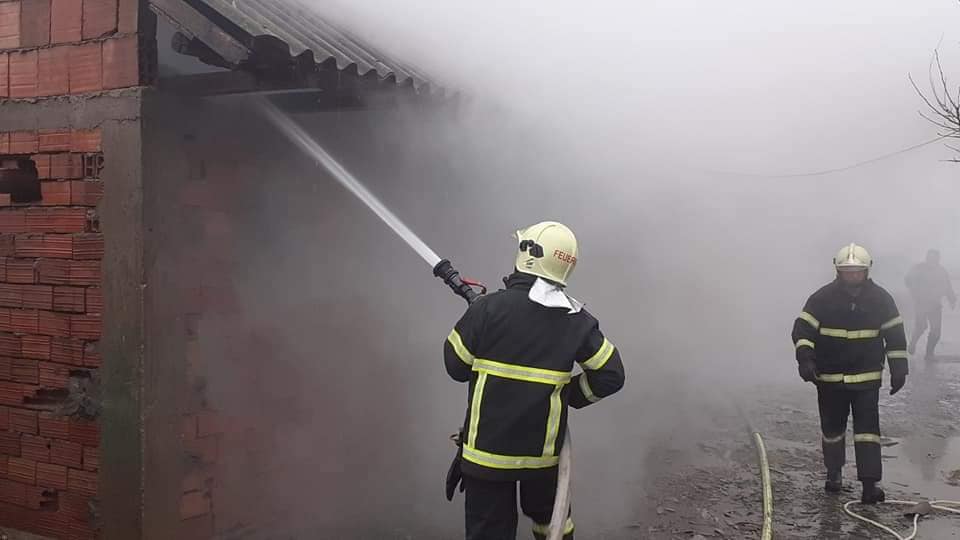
[(627, 121)]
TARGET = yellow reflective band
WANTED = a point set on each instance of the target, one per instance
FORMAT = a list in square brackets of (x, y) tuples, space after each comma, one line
[(806, 343), (553, 422), (497, 461), (475, 409), (544, 530), (893, 355), (892, 322), (866, 437), (850, 379), (833, 440), (459, 348), (521, 373), (811, 320), (587, 391), (849, 334), (597, 361)]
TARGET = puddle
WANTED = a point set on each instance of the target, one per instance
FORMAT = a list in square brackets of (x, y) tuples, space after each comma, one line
[(924, 465)]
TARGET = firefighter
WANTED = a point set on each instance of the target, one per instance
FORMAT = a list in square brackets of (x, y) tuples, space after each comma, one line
[(929, 284), (842, 337), (517, 349)]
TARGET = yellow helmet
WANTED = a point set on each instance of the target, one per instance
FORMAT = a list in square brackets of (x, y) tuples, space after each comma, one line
[(548, 250), (852, 258)]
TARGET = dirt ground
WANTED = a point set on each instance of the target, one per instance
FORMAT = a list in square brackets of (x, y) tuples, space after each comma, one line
[(711, 489)]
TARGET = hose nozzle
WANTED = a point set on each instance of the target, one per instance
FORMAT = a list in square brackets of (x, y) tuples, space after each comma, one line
[(463, 288)]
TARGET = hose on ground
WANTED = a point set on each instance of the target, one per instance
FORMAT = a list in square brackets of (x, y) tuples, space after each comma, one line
[(936, 505)]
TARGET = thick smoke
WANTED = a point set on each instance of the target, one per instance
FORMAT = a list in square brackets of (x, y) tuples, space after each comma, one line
[(629, 121)]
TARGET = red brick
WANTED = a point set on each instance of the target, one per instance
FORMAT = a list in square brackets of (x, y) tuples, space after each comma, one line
[(65, 21), (91, 458), (205, 449), (66, 351), (4, 137), (6, 374), (21, 271), (56, 193), (5, 323), (195, 480), (84, 273), (22, 470), (86, 193), (54, 140), (94, 300), (53, 426), (10, 443), (121, 66), (42, 162), (5, 199), (52, 476), (25, 321), (69, 454), (86, 326), (37, 347), (24, 370), (54, 376), (13, 492), (11, 295), (42, 498), (37, 296), (56, 220), (91, 354), (88, 246), (23, 421), (24, 142), (4, 419), (188, 428), (209, 423), (53, 324), (10, 25), (23, 74), (128, 16), (198, 528), (194, 504), (66, 166), (69, 299), (13, 221), (4, 93), (86, 141), (85, 432), (34, 23), (86, 66), (35, 448), (82, 482), (6, 250), (9, 345), (53, 272), (99, 18)]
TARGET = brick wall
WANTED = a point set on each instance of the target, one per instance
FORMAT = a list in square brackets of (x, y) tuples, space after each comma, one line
[(51, 252)]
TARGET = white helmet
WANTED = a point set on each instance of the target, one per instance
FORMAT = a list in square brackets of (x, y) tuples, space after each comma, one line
[(548, 250), (852, 258)]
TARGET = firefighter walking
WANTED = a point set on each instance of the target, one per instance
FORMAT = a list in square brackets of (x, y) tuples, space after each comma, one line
[(845, 332), (929, 283), (516, 349)]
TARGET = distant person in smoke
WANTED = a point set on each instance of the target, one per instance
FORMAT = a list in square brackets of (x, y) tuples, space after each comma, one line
[(845, 332), (516, 349), (929, 283)]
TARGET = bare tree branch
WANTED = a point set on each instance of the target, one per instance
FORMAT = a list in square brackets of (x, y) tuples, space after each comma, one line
[(943, 111)]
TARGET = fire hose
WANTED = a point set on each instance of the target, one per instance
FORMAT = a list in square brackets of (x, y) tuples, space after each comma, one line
[(467, 289)]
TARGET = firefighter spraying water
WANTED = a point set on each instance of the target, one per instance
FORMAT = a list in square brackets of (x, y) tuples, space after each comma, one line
[(516, 348)]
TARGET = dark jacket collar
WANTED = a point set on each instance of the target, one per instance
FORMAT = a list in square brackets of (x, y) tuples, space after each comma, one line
[(519, 280)]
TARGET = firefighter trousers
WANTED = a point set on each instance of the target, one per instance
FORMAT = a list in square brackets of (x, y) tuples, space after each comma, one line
[(491, 507), (932, 318), (836, 402)]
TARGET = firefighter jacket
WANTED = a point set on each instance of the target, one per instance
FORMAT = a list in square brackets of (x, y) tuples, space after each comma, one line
[(518, 358), (929, 284), (849, 336)]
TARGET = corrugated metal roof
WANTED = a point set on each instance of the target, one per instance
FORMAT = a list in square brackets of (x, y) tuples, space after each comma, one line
[(302, 28)]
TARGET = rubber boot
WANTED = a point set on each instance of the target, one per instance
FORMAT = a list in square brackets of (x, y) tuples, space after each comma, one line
[(872, 494), (834, 483)]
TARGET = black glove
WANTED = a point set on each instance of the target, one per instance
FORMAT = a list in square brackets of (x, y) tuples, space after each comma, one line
[(454, 477), (897, 382), (807, 369)]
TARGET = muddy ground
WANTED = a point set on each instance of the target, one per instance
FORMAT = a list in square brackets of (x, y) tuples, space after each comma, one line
[(708, 484)]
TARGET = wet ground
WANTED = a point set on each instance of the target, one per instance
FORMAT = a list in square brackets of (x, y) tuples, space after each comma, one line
[(708, 484)]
